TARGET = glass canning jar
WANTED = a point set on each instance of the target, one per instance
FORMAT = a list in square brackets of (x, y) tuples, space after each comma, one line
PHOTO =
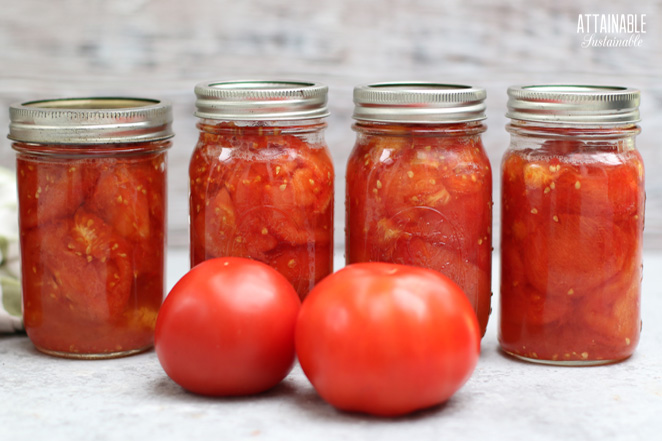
[(572, 225), (91, 175), (261, 177), (419, 184)]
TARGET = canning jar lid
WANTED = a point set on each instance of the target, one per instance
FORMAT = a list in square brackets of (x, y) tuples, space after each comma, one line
[(574, 104), (261, 100), (419, 102), (94, 120)]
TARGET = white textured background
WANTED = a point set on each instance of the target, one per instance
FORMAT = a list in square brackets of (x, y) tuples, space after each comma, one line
[(161, 48)]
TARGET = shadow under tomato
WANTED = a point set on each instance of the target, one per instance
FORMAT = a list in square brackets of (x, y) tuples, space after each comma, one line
[(310, 402), (165, 387)]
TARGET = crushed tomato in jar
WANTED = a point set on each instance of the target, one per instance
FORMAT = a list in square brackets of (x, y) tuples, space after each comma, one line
[(262, 186), (572, 223), (92, 216), (419, 185)]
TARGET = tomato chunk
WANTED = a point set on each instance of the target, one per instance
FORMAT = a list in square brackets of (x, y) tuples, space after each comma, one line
[(572, 221), (49, 191), (93, 251), (423, 197), (260, 193), (120, 198)]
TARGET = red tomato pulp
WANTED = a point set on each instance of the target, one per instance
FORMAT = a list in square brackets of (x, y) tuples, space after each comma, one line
[(422, 195), (92, 240), (572, 217), (262, 194)]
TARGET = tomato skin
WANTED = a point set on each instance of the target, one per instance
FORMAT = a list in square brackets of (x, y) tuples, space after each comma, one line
[(387, 339), (227, 328)]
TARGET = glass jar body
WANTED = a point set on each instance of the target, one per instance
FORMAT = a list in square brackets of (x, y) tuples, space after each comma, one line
[(264, 191), (93, 234), (571, 243), (421, 194)]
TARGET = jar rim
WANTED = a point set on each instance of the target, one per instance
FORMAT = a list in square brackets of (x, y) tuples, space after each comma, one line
[(419, 102), (574, 104), (259, 99), (90, 120)]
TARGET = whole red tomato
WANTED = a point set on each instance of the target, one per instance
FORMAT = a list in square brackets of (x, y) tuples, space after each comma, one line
[(227, 328), (387, 339)]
